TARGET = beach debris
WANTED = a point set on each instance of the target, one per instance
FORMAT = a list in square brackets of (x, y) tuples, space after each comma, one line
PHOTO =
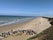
[(11, 32), (8, 33), (30, 32), (14, 32), (4, 35)]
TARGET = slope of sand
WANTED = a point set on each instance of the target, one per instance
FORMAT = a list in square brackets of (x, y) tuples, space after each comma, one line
[(37, 24)]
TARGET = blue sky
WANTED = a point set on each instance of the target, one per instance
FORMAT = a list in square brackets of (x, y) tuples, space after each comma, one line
[(26, 7)]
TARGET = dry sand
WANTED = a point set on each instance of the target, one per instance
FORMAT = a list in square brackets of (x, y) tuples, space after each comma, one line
[(37, 24)]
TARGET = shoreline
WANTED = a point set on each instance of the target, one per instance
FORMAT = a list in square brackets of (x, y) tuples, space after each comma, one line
[(13, 26), (16, 21)]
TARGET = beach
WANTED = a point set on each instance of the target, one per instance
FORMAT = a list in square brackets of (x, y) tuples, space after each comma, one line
[(13, 26), (37, 25)]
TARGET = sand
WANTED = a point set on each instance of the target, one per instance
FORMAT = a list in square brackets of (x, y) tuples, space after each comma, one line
[(37, 24), (13, 26)]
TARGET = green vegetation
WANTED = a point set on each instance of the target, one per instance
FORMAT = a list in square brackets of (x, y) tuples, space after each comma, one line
[(48, 32)]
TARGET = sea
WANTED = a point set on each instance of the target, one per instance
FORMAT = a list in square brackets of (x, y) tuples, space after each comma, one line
[(6, 20)]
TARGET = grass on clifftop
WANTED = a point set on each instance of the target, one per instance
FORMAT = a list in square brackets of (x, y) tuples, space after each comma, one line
[(48, 32)]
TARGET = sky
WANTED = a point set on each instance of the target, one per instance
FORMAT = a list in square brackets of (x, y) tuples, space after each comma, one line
[(26, 7)]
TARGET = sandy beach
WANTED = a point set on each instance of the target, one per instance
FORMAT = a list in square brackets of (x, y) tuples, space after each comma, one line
[(37, 24), (13, 26)]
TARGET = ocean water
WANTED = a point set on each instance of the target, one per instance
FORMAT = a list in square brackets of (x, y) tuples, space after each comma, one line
[(5, 20)]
